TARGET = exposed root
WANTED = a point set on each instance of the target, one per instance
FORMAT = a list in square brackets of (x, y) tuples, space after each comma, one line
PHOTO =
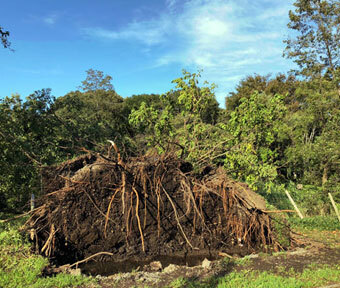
[(99, 203)]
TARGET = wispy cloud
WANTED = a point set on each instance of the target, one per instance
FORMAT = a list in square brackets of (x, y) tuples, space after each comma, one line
[(170, 3), (148, 32), (51, 19), (227, 38)]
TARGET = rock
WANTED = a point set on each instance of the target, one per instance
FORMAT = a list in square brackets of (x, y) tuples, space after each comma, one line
[(298, 251), (171, 268), (206, 263), (156, 266), (75, 272)]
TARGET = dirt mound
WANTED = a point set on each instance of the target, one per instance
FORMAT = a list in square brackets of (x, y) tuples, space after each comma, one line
[(147, 206)]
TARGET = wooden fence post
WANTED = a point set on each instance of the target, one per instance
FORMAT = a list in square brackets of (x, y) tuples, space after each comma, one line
[(334, 206), (32, 202), (292, 201)]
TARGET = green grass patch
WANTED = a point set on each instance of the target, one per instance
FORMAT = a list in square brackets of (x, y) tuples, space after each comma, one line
[(19, 267), (322, 223), (313, 276)]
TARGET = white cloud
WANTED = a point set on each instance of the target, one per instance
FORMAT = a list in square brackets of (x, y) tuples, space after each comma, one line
[(227, 38)]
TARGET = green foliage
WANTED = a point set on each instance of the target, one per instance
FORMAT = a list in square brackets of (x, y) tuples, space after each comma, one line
[(20, 268), (155, 124), (322, 223), (41, 131), (316, 48), (90, 118), (281, 84), (260, 136), (197, 102), (281, 229), (134, 102), (310, 199), (27, 140), (184, 122), (95, 80), (314, 153)]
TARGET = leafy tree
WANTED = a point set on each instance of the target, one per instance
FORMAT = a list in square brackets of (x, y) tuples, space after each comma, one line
[(182, 122), (91, 118), (316, 48), (135, 101), (282, 84), (27, 141), (95, 80), (4, 38), (313, 157), (259, 139)]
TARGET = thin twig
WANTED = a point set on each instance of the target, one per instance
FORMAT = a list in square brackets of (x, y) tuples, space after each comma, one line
[(19, 216), (86, 259), (278, 211)]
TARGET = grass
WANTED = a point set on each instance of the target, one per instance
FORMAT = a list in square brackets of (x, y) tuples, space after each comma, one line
[(19, 267), (321, 223), (313, 276)]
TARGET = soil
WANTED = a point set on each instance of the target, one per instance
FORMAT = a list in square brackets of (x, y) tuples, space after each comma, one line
[(146, 207), (298, 259)]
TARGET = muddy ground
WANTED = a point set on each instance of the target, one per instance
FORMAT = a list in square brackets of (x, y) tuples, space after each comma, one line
[(315, 248)]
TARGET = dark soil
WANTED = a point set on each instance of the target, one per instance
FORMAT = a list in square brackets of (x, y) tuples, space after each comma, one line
[(146, 207), (298, 260)]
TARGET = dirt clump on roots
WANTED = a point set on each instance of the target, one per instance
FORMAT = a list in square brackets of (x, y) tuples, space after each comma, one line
[(146, 206)]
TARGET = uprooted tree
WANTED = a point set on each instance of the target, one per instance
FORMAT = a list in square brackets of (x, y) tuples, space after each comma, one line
[(151, 205)]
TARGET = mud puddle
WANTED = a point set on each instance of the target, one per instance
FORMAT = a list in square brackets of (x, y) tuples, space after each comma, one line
[(113, 267)]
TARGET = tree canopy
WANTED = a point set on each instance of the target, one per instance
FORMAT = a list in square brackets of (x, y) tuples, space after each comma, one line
[(316, 48), (96, 80)]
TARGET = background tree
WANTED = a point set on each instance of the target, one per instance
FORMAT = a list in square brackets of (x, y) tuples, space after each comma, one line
[(259, 139), (27, 141), (96, 80), (182, 123), (4, 38), (314, 152), (316, 48), (91, 118), (281, 84)]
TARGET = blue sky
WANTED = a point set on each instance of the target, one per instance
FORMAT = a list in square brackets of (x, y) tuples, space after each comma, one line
[(142, 44)]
